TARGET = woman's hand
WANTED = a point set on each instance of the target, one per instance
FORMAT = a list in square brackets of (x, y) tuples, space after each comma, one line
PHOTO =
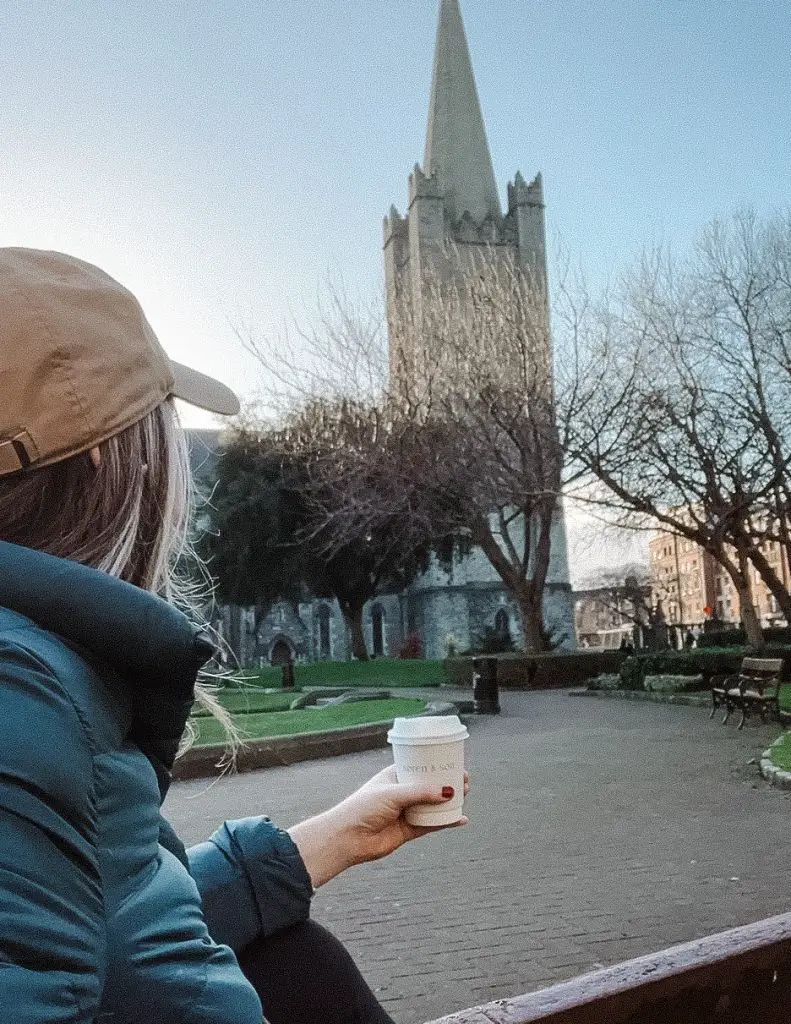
[(367, 825)]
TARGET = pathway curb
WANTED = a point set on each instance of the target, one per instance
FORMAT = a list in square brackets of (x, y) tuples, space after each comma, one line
[(200, 762), (770, 771), (647, 695)]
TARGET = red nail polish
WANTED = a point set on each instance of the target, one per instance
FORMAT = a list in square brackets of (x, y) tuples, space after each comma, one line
[(447, 792)]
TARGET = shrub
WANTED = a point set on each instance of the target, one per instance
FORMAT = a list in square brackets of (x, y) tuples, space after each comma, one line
[(493, 641), (632, 674), (706, 661), (411, 648), (605, 681), (674, 684), (539, 671)]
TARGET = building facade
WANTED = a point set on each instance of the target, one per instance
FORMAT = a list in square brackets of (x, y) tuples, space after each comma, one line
[(692, 586), (605, 617)]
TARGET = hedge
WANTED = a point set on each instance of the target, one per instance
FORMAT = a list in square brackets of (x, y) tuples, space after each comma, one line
[(575, 668), (704, 661), (777, 635), (539, 671)]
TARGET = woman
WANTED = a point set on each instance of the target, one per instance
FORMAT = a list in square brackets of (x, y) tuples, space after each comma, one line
[(104, 916)]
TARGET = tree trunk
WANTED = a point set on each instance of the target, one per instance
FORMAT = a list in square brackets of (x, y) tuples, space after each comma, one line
[(739, 572), (655, 636), (532, 620), (513, 577), (538, 580), (752, 626), (528, 593), (354, 620), (773, 583)]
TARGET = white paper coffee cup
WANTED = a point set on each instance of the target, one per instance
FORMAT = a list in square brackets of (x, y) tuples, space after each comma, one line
[(431, 750)]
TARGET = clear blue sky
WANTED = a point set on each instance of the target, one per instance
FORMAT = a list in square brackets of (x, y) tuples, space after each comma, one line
[(219, 156)]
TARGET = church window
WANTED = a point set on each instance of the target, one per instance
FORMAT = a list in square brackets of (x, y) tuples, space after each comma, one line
[(324, 642), (377, 630)]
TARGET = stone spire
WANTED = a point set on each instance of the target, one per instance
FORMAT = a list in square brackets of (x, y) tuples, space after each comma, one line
[(457, 152)]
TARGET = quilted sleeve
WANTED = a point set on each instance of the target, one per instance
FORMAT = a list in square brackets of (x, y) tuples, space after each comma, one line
[(51, 907), (252, 881)]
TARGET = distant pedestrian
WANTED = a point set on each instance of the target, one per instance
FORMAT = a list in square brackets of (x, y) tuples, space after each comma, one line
[(689, 639)]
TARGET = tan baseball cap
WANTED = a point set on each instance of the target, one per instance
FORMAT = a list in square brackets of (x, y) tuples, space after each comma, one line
[(79, 362)]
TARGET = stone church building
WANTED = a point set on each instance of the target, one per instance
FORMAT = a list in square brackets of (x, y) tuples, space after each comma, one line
[(453, 205)]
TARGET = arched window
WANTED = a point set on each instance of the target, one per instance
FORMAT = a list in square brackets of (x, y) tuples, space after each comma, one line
[(378, 630), (281, 653), (501, 623), (324, 646)]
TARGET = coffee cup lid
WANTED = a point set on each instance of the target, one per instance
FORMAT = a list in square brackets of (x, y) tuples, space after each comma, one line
[(431, 729)]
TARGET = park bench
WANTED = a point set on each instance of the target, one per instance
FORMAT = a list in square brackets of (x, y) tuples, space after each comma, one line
[(742, 976), (755, 688)]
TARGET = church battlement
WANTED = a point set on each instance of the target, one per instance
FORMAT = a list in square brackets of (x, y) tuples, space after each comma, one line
[(522, 194), (453, 195), (491, 231), (423, 186), (395, 226)]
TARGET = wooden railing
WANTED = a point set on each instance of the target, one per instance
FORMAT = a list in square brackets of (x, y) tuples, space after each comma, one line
[(742, 976)]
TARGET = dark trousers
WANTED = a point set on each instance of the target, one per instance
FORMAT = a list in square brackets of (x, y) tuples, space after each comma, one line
[(304, 975)]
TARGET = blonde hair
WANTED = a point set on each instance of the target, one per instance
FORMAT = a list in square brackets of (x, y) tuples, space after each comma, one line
[(128, 516)]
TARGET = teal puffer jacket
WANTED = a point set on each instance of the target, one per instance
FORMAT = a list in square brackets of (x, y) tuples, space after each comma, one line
[(104, 917)]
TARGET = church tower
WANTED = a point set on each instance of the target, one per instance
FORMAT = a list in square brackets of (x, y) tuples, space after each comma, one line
[(454, 206), (453, 197)]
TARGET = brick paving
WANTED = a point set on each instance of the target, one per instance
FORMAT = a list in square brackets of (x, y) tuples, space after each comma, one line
[(599, 831)]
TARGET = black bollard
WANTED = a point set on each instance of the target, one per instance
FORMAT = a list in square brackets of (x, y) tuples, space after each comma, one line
[(485, 693)]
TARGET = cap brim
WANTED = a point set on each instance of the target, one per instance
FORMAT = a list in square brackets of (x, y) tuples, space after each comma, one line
[(202, 391)]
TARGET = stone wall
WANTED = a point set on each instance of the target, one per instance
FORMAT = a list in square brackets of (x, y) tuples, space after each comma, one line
[(443, 609), (315, 631), (456, 604), (283, 625), (459, 616)]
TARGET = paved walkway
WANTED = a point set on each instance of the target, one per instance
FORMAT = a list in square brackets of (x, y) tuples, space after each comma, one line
[(599, 831)]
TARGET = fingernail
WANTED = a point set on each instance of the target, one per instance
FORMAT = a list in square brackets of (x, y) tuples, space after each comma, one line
[(447, 792)]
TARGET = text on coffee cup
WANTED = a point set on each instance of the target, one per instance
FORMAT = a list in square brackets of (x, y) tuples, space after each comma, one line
[(429, 769)]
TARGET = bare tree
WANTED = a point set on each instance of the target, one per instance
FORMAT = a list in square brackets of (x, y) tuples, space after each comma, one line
[(631, 593), (459, 439), (676, 398), (473, 361), (338, 352)]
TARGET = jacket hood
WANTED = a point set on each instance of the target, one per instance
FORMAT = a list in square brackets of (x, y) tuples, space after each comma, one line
[(154, 648), (141, 637)]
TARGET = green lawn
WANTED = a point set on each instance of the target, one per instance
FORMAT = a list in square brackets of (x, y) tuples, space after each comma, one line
[(249, 699), (781, 752), (289, 723), (785, 697), (381, 672)]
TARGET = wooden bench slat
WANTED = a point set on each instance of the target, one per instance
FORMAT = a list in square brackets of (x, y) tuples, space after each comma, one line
[(735, 977), (757, 689), (762, 664)]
